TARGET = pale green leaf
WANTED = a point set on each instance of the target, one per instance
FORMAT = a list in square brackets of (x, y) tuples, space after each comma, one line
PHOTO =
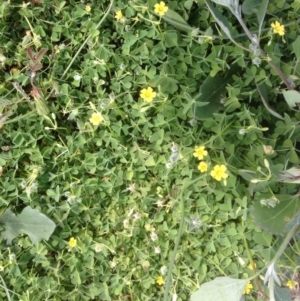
[(31, 222), (291, 175), (292, 97), (221, 289), (282, 294)]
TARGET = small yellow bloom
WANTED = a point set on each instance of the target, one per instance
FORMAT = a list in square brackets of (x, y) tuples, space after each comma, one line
[(247, 289), (202, 166), (118, 15), (160, 280), (1, 268), (160, 8), (252, 266), (291, 284), (88, 8), (278, 28), (96, 118), (200, 152), (219, 172), (148, 94), (72, 242)]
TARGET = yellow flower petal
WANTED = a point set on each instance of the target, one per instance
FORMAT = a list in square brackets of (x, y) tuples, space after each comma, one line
[(278, 28), (96, 118), (160, 8), (219, 172), (203, 166), (160, 280), (148, 94), (291, 284), (247, 289), (118, 15), (72, 242), (200, 152)]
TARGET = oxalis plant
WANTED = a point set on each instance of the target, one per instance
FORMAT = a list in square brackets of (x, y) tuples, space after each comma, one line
[(277, 214), (127, 99)]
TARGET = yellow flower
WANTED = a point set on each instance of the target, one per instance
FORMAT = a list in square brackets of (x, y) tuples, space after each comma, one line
[(160, 280), (202, 166), (291, 284), (200, 152), (148, 94), (247, 289), (219, 172), (118, 15), (252, 266), (88, 8), (96, 118), (72, 242), (278, 28), (160, 8)]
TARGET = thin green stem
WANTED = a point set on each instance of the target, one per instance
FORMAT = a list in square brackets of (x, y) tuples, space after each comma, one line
[(173, 255), (5, 288), (87, 39)]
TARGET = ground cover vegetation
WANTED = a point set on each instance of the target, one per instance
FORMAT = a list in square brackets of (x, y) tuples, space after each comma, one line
[(149, 150)]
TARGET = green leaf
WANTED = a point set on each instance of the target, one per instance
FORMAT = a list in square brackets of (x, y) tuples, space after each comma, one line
[(31, 222), (261, 14), (212, 91), (295, 221), (223, 23), (296, 47), (282, 294), (291, 175), (171, 39), (292, 98), (250, 6), (222, 289), (188, 4), (274, 220), (177, 21)]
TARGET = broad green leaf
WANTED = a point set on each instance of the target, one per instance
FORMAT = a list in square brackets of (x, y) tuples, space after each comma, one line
[(274, 220), (261, 88), (221, 289), (296, 47), (292, 98), (250, 6), (295, 221), (212, 91), (177, 21), (282, 294), (31, 222)]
